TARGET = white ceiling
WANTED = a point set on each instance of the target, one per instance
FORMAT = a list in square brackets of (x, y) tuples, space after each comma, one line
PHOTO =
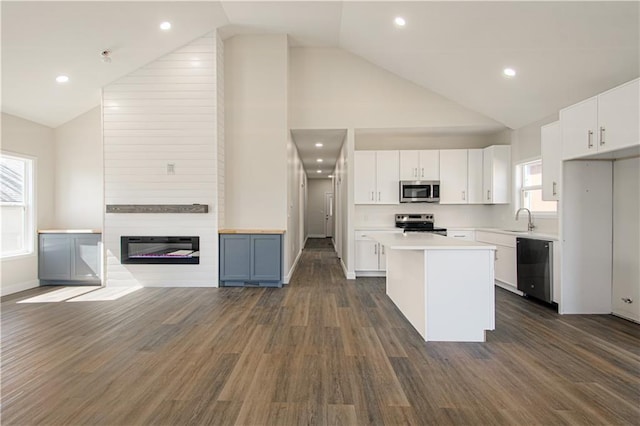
[(331, 140), (563, 51)]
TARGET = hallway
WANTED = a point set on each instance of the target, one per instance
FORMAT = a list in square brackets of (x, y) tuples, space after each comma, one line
[(322, 350)]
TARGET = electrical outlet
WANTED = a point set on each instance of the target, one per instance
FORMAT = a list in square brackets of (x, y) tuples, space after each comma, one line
[(171, 169)]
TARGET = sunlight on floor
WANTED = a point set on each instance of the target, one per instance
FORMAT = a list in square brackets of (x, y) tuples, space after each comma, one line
[(82, 294), (105, 293)]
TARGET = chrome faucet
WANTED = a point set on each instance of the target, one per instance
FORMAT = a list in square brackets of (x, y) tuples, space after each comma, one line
[(530, 225)]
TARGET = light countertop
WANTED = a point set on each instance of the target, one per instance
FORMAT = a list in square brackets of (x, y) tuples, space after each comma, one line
[(426, 241), (251, 231), (524, 234), (69, 231)]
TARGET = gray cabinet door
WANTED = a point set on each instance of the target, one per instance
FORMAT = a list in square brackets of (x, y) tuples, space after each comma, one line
[(266, 257), (54, 262), (235, 257), (86, 257)]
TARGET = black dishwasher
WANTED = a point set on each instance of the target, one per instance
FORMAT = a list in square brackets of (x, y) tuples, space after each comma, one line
[(535, 269)]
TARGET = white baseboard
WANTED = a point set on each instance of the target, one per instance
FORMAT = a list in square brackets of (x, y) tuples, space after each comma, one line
[(371, 274), (15, 288), (287, 278), (511, 288), (316, 236), (348, 275)]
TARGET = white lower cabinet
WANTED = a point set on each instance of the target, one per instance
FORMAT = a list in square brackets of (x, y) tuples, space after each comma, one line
[(505, 266), (370, 256), (461, 234)]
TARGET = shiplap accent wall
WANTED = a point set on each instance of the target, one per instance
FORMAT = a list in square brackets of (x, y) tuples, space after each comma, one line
[(164, 113), (220, 140)]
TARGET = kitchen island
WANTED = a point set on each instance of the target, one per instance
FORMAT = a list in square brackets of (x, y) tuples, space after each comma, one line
[(443, 286)]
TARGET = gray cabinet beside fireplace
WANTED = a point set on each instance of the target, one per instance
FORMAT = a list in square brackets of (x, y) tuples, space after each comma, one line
[(250, 260), (69, 258)]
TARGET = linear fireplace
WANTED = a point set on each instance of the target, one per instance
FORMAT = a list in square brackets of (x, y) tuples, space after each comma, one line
[(160, 250)]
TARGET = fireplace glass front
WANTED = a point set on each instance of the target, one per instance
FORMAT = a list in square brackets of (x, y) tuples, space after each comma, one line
[(160, 250)]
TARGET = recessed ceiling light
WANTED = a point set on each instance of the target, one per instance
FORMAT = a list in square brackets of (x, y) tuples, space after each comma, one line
[(329, 175), (165, 26), (318, 145), (319, 160), (318, 171), (400, 21), (62, 79), (509, 72)]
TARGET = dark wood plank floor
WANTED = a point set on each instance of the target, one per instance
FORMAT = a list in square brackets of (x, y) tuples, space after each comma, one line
[(321, 351)]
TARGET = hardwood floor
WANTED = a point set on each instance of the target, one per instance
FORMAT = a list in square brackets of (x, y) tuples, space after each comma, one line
[(323, 350)]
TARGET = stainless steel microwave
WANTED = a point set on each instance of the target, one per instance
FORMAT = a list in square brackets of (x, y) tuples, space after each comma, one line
[(419, 191)]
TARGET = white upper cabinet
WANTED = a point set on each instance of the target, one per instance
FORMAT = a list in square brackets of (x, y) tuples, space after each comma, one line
[(376, 177), (474, 176), (496, 173), (453, 176), (420, 165), (364, 182), (607, 122), (551, 146), (388, 179), (619, 117)]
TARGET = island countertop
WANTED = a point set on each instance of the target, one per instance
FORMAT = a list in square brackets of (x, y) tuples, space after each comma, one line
[(426, 241)]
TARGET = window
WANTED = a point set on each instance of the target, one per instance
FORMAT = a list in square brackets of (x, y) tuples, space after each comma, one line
[(16, 205), (529, 187)]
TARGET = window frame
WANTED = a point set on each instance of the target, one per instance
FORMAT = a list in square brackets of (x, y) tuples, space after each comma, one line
[(29, 214), (520, 189)]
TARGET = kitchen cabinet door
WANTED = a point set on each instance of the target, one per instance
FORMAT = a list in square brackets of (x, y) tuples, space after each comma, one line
[(54, 257), (496, 169), (387, 177), (474, 176), (235, 257), (266, 259), (506, 265), (579, 123), (86, 258), (366, 255), (409, 165), (364, 177), (429, 164), (619, 117), (453, 176), (551, 147)]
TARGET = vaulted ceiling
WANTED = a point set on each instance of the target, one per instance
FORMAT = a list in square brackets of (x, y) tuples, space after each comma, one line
[(562, 51)]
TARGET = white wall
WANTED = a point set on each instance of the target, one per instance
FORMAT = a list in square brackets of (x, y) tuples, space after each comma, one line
[(316, 208), (165, 112), (626, 232), (79, 172), (296, 192), (256, 131), (332, 88), (25, 137)]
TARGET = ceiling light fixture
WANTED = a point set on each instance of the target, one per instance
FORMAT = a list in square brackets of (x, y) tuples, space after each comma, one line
[(62, 79), (509, 72), (319, 160), (318, 145), (318, 171), (400, 21), (165, 26)]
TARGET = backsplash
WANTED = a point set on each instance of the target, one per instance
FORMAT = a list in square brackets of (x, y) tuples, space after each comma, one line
[(445, 215)]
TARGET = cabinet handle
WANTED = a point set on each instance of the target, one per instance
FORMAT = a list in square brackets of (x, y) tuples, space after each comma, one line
[(381, 249), (375, 249), (464, 197), (488, 195), (495, 253), (422, 172), (590, 139), (555, 191), (379, 196), (415, 172), (601, 135), (627, 300), (372, 196)]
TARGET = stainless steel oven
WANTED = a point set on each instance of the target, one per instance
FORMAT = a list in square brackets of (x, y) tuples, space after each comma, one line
[(419, 191)]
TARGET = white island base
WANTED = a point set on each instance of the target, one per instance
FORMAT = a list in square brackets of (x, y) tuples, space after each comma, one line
[(444, 287)]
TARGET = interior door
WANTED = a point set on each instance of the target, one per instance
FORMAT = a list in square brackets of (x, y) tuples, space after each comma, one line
[(328, 214)]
